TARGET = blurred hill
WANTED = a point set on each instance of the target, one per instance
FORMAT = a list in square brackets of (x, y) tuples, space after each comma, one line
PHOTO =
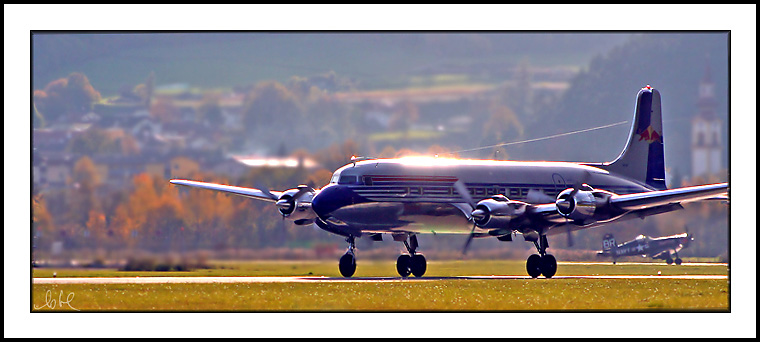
[(226, 59), (605, 93)]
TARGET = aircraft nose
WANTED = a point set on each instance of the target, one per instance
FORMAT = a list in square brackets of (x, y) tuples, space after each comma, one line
[(330, 199)]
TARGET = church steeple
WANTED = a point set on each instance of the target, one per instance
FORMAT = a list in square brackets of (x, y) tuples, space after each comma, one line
[(706, 101), (706, 130)]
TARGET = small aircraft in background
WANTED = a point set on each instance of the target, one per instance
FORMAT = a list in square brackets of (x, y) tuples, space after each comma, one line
[(657, 248), (404, 197)]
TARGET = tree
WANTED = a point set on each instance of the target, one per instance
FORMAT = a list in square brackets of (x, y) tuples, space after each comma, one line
[(81, 93), (63, 96), (42, 222), (502, 120), (83, 200), (270, 105)]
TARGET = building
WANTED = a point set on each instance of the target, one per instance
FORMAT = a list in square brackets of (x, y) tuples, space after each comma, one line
[(706, 157)]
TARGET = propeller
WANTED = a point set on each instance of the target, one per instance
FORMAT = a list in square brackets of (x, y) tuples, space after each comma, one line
[(266, 191), (287, 204), (465, 194), (565, 203), (689, 237)]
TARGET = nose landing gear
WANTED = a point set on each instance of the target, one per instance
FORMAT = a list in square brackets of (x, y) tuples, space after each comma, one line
[(347, 263)]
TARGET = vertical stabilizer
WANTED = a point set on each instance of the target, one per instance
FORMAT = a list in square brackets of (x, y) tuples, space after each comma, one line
[(643, 157), (608, 243)]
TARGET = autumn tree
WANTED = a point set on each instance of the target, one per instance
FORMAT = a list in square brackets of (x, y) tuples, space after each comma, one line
[(42, 222), (501, 122), (73, 94), (84, 182)]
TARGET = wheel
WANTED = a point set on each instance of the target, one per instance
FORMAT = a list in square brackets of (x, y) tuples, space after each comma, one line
[(347, 265), (418, 265), (534, 265), (548, 265), (669, 261), (678, 261), (403, 265)]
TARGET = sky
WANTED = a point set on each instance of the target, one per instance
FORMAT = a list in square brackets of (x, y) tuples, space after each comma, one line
[(740, 19)]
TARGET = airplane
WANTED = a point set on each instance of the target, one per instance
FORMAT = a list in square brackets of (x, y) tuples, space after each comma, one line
[(405, 197), (657, 248)]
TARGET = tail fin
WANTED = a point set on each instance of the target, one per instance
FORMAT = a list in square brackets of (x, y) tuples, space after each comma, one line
[(643, 157), (608, 243)]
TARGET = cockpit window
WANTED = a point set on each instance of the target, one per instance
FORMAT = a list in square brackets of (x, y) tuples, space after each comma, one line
[(334, 178), (348, 179)]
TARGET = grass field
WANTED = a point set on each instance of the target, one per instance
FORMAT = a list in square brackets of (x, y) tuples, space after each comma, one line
[(448, 295)]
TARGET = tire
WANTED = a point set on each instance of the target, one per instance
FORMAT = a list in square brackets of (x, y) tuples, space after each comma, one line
[(403, 265), (548, 265), (418, 265), (534, 265), (678, 261), (347, 265)]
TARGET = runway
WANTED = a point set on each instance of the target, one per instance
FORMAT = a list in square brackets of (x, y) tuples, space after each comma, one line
[(237, 280)]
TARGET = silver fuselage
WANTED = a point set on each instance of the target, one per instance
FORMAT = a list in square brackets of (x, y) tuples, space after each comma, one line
[(417, 194)]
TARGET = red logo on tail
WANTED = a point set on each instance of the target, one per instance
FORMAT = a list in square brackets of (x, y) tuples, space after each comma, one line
[(650, 135)]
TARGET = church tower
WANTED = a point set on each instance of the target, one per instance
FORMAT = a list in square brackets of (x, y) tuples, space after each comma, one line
[(706, 131)]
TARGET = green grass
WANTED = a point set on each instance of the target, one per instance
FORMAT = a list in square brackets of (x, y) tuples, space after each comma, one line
[(422, 296), (444, 295)]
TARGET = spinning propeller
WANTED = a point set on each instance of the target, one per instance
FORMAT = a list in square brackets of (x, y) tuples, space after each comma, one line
[(567, 203), (462, 190)]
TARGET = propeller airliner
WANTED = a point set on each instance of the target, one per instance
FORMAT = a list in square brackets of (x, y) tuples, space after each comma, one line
[(405, 197)]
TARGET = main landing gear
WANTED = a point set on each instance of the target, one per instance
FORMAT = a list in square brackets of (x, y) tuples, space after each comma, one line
[(541, 263), (669, 260), (412, 263), (347, 263)]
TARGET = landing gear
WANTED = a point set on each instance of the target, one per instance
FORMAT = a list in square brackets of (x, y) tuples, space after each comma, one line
[(669, 260), (412, 263), (534, 265), (419, 265), (541, 263), (347, 263), (403, 265), (678, 259), (548, 265)]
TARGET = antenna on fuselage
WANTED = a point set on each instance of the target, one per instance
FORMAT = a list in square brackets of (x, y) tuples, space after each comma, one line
[(539, 139)]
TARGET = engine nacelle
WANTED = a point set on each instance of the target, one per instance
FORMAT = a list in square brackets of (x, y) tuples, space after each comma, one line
[(295, 204), (497, 212), (579, 206)]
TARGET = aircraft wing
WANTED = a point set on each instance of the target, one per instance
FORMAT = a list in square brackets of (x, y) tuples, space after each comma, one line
[(639, 204), (664, 197), (270, 196)]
